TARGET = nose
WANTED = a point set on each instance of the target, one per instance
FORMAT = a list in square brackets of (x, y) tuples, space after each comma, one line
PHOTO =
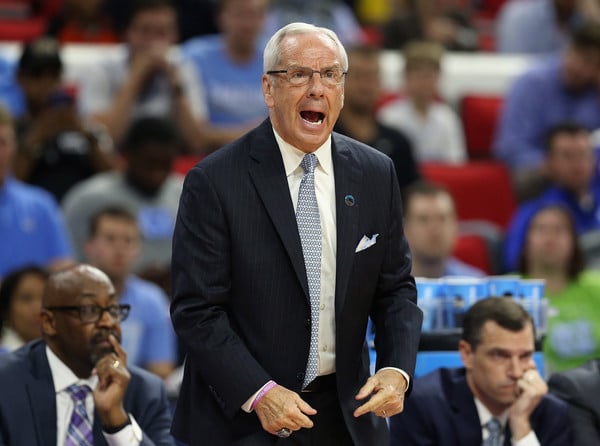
[(516, 368), (315, 85), (106, 320)]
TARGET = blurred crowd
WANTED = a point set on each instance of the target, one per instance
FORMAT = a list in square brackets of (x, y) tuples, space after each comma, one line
[(88, 169)]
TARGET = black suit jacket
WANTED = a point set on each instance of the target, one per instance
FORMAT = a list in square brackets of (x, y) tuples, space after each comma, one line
[(28, 402), (441, 411), (580, 387), (241, 302)]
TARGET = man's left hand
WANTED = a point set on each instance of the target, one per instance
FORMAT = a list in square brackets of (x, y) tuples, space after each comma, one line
[(387, 389)]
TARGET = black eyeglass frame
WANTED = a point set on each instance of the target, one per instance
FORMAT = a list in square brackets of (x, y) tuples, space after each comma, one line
[(312, 73), (118, 312)]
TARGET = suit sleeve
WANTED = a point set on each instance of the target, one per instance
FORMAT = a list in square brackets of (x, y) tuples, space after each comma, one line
[(153, 413), (413, 427), (583, 422), (201, 269), (395, 313)]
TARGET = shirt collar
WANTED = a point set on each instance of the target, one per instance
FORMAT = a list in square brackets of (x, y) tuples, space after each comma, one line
[(292, 157), (485, 415), (63, 376)]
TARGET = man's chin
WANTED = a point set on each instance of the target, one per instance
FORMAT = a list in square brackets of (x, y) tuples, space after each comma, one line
[(100, 352)]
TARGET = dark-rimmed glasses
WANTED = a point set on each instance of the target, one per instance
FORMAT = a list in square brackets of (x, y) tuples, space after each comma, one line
[(93, 313), (302, 75)]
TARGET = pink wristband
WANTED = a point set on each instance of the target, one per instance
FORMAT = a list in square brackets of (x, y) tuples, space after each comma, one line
[(268, 386)]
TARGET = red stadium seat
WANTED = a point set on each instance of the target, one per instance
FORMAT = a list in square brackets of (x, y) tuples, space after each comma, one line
[(479, 115), (481, 190), (474, 250), (184, 163)]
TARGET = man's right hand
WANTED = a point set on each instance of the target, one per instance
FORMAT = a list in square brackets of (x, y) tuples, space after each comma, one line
[(532, 389), (281, 408)]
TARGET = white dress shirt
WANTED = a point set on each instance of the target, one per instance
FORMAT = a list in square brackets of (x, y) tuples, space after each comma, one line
[(63, 377), (325, 191), (485, 415)]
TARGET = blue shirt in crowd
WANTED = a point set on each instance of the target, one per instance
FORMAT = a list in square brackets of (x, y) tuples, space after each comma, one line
[(32, 230), (233, 91), (586, 217), (536, 102), (148, 335)]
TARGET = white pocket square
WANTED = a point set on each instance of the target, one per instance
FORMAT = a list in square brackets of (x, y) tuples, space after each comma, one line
[(366, 242)]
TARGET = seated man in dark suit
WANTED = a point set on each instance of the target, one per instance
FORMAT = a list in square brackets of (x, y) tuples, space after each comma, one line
[(74, 387), (498, 398), (580, 388)]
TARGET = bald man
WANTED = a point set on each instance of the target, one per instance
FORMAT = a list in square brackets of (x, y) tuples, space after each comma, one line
[(75, 381)]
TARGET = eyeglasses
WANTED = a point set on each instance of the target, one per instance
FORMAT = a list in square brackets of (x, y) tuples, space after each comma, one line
[(93, 313), (302, 75)]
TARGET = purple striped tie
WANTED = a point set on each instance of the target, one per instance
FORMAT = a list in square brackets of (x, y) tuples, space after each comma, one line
[(79, 431)]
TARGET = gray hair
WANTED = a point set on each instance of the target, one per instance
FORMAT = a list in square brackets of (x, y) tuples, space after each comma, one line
[(272, 53)]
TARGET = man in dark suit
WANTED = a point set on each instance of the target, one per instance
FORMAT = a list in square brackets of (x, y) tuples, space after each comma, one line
[(272, 306), (498, 397), (74, 387), (580, 388)]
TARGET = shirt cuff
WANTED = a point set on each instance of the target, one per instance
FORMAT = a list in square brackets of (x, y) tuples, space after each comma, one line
[(528, 440), (247, 406), (402, 372), (130, 435)]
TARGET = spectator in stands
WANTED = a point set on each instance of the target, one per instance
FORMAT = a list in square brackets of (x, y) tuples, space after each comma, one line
[(230, 66), (83, 21), (569, 168), (497, 398), (10, 95), (362, 91), (32, 229), (433, 127), (113, 245), (550, 21), (57, 149), (21, 294), (146, 187), (75, 385), (147, 78), (580, 388), (551, 252), (564, 87), (437, 22), (333, 14), (431, 228)]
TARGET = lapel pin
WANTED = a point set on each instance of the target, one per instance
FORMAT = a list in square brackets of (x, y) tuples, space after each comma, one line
[(349, 200)]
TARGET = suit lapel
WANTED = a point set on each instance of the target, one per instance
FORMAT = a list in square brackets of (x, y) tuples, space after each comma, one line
[(42, 396), (466, 418), (348, 177), (268, 175)]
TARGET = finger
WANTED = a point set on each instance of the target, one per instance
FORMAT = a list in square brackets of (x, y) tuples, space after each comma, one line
[(366, 390), (305, 407), (119, 351)]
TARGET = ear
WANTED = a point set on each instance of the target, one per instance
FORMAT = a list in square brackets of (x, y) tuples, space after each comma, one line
[(48, 323), (466, 354), (267, 88)]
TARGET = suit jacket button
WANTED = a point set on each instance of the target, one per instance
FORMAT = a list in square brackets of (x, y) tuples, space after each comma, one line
[(307, 323), (300, 376)]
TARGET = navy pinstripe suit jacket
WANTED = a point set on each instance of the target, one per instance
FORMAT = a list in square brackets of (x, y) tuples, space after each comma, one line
[(240, 292)]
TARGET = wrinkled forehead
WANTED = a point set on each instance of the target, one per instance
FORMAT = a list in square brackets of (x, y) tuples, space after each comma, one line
[(308, 49)]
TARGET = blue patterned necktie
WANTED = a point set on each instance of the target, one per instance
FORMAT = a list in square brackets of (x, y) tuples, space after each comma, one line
[(79, 431), (494, 428), (309, 228)]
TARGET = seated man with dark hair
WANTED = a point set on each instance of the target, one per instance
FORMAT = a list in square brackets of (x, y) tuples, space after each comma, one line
[(146, 187), (74, 387), (498, 398), (580, 387)]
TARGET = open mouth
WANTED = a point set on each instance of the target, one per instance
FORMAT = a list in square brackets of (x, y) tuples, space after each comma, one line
[(312, 117)]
